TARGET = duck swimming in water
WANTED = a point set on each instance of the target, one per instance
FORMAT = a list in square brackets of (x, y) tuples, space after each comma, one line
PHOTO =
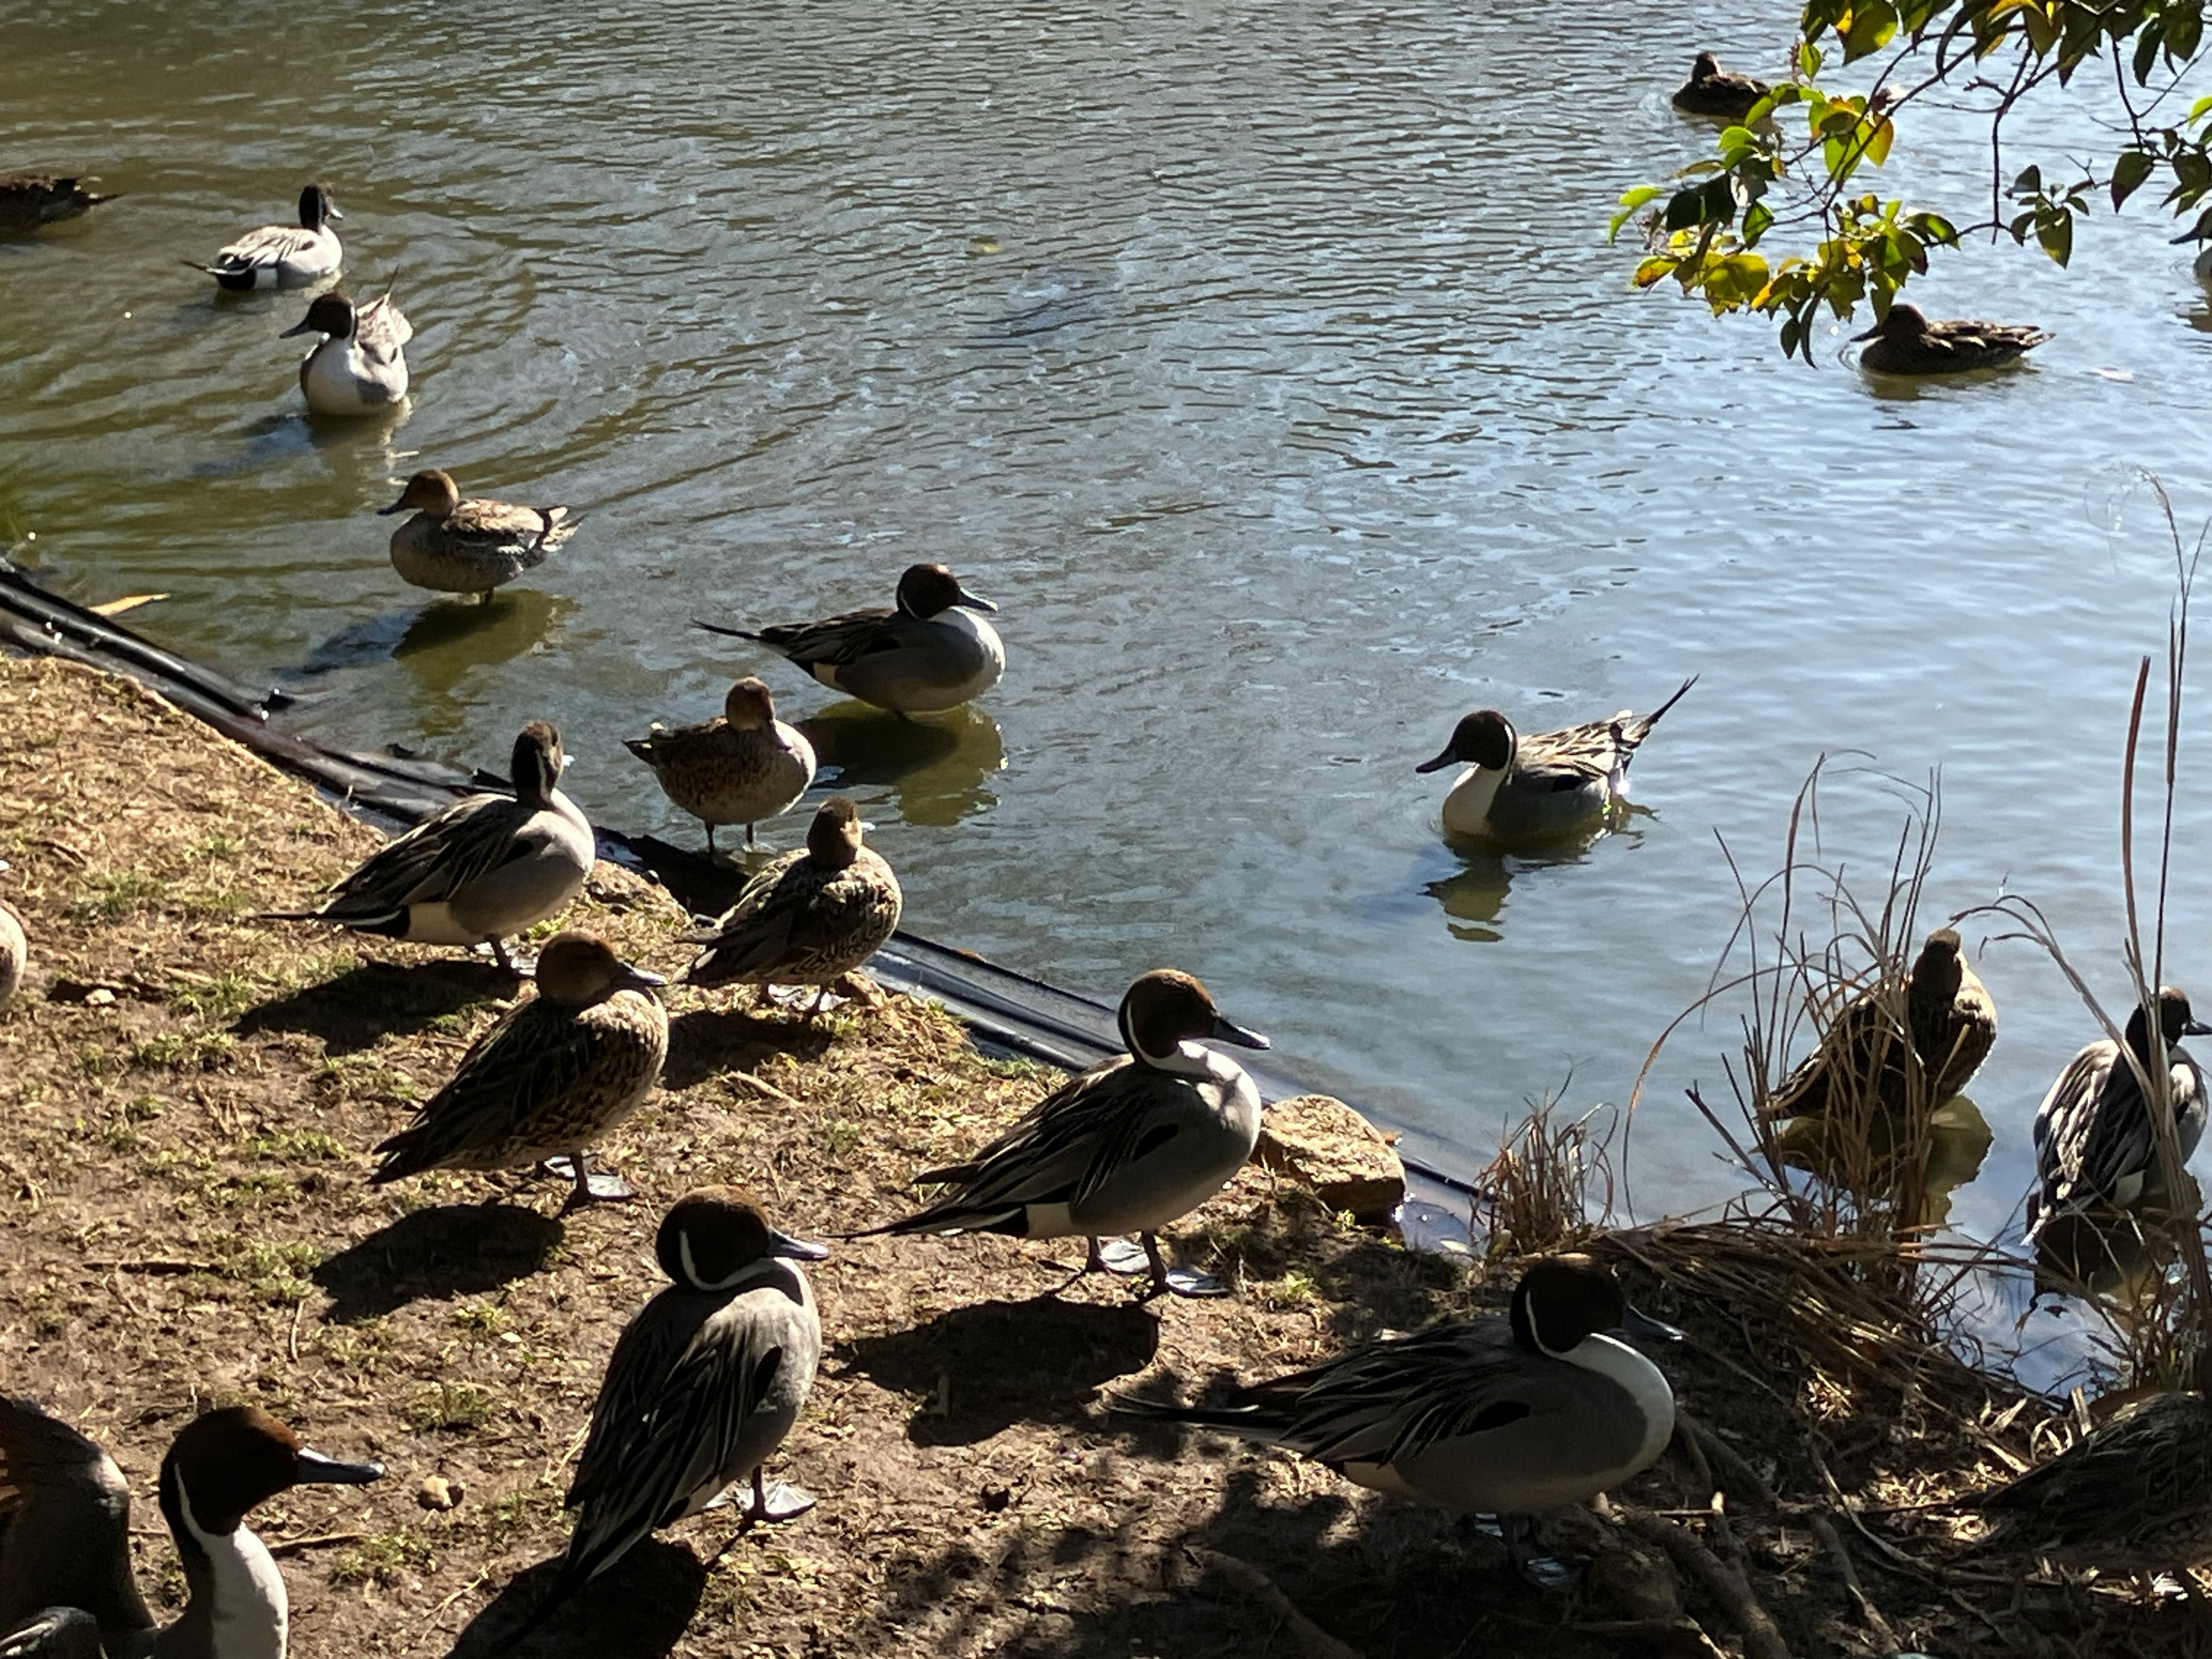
[(283, 256), (2095, 1146), (28, 200), (361, 366), (1904, 342), (454, 545), (1712, 90)]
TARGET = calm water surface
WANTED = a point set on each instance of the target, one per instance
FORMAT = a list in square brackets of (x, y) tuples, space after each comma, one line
[(1264, 362)]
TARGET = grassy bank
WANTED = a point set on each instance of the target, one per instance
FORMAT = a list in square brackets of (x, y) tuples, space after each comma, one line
[(189, 1097)]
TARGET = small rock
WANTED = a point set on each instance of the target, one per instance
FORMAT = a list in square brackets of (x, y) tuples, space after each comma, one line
[(996, 1498), (1320, 1143), (100, 997), (436, 1492)]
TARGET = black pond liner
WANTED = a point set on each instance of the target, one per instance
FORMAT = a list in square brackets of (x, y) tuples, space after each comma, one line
[(1009, 1012)]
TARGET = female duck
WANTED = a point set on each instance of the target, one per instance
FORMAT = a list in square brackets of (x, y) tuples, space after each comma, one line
[(2095, 1146), (555, 1073), (1508, 1417), (284, 256), (930, 652), (65, 1583), (808, 918), (1904, 342), (702, 1388), (1712, 90), (746, 766), (487, 866), (28, 200), (1555, 783), (1127, 1147), (472, 546), (361, 366)]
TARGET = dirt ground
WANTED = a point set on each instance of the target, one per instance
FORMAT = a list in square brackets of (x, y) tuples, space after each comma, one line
[(189, 1097)]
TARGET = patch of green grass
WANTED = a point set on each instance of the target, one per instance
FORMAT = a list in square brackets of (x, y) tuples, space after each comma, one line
[(525, 1506), (482, 1320), (217, 846), (112, 895), (276, 1274), (295, 1145), (384, 1558), (204, 1051), (260, 1187), (1293, 1289), (449, 1405), (363, 1346), (220, 998), (840, 1135), (364, 1077), (94, 1060)]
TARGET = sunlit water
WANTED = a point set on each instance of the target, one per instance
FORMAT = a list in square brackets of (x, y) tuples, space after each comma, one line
[(1267, 365)]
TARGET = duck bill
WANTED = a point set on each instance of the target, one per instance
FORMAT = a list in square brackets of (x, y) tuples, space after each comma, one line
[(399, 506), (331, 210), (1657, 1330), (305, 325), (311, 1469), (969, 602), (640, 979), (1438, 764), (2197, 1028), (796, 1249), (1869, 335), (1225, 1030)]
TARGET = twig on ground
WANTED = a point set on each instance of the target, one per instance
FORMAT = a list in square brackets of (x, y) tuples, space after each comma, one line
[(321, 1540), (1314, 1641), (1824, 1528), (1762, 1637)]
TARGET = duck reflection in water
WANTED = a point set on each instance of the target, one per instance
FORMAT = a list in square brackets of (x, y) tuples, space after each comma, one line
[(1473, 895), (2121, 1255), (935, 766), (1867, 1163), (441, 642)]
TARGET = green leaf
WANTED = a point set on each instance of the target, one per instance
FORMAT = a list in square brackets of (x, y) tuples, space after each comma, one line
[(2042, 32), (1809, 60), (2147, 50), (2185, 31), (2030, 182), (2198, 110), (1629, 203), (1756, 219), (2129, 172), (1867, 28), (2056, 233), (1653, 270), (1878, 137)]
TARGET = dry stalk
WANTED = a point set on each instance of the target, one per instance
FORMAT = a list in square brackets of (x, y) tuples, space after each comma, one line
[(1551, 1183)]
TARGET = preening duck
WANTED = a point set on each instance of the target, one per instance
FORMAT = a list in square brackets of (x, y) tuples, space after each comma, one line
[(360, 367), (1552, 784), (469, 546), (746, 766), (929, 653), (66, 1590), (283, 256), (1126, 1147)]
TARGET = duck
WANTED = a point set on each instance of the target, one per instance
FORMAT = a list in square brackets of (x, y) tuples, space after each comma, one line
[(2095, 1147), (1507, 1416), (65, 1581), (1903, 341), (742, 767), (809, 917), (472, 546), (488, 866), (1712, 90), (556, 1072), (15, 954), (360, 367), (2202, 268), (283, 256), (2134, 1495), (929, 653), (1951, 1018), (702, 1387), (28, 200), (1126, 1147), (1552, 784)]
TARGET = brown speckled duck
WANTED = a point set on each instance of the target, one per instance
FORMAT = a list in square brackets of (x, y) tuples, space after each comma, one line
[(1904, 342), (809, 918), (556, 1073), (1712, 90), (746, 766), (28, 200), (469, 546)]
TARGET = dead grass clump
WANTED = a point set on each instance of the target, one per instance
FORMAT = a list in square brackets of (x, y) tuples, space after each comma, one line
[(1549, 1184)]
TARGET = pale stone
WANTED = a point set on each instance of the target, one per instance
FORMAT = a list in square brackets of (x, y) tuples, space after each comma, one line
[(1320, 1143)]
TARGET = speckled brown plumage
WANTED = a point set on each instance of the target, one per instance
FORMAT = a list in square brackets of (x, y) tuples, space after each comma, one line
[(1953, 1025), (810, 917), (2134, 1495)]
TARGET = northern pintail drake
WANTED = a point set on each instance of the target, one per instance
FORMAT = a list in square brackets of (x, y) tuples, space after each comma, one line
[(746, 766), (701, 1389), (2134, 1495), (1904, 342), (1948, 1015), (929, 653), (15, 954), (1507, 1416), (2095, 1146), (470, 546), (809, 917), (486, 867), (1712, 90), (65, 1581), (1554, 783), (361, 366), (1126, 1147), (28, 200), (284, 256), (557, 1072)]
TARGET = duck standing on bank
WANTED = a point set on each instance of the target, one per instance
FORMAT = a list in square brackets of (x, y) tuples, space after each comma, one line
[(810, 917), (556, 1073), (1552, 784), (15, 954), (930, 652), (1712, 90), (65, 1581), (283, 256), (1948, 1015), (360, 367), (28, 200), (472, 546), (1904, 342), (1126, 1147), (746, 766), (703, 1386), (2095, 1146), (486, 867), (1507, 1416)]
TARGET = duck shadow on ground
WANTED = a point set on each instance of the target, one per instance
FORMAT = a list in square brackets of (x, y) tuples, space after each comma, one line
[(991, 1364), (708, 1042), (455, 1249), (365, 1005), (639, 1608)]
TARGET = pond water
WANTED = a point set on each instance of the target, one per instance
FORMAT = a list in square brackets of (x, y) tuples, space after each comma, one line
[(1266, 363)]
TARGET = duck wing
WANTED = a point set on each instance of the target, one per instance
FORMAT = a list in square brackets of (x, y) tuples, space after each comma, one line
[(755, 932), (380, 330), (262, 249), (2092, 1131), (432, 861), (534, 1057), (503, 524), (2151, 1464), (833, 640), (64, 1532)]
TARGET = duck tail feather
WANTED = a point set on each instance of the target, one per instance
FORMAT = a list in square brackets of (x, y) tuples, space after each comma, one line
[(733, 633)]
